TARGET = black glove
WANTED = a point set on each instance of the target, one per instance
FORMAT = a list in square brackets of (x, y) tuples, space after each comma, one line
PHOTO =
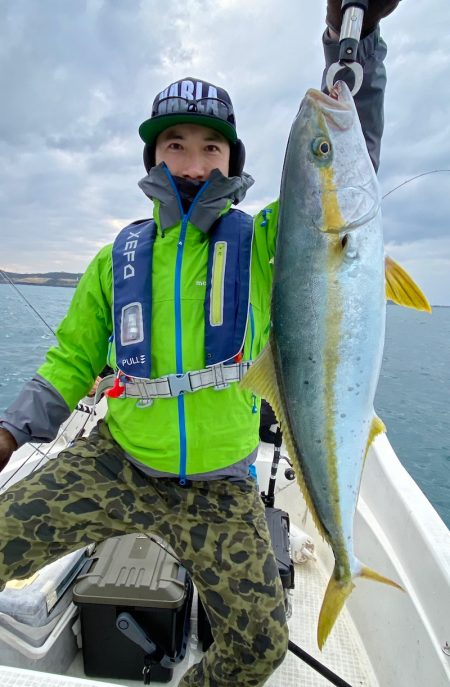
[(377, 10)]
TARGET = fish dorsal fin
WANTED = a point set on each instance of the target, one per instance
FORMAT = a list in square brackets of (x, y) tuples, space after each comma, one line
[(401, 288), (261, 378), (377, 427)]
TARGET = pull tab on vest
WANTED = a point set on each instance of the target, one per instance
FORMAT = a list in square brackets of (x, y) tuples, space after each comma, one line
[(226, 301)]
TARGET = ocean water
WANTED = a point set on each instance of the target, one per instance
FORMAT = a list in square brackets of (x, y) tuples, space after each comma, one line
[(413, 397)]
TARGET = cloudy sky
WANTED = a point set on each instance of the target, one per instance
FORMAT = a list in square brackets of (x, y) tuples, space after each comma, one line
[(77, 77)]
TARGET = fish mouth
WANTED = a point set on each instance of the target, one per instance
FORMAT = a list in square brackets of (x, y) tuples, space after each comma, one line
[(340, 98), (338, 109)]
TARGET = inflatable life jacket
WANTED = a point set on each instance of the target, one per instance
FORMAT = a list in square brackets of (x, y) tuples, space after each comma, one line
[(226, 302)]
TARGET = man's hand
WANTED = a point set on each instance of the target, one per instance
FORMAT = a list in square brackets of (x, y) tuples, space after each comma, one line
[(378, 9), (7, 447)]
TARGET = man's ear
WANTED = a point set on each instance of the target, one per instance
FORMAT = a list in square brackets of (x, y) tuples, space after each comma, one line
[(237, 158), (149, 156)]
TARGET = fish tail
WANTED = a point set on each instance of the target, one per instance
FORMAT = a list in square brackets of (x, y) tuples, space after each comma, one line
[(336, 595)]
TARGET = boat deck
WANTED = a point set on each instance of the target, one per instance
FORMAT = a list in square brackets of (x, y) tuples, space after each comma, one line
[(343, 654)]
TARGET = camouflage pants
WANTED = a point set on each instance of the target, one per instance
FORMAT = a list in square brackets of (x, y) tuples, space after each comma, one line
[(91, 492)]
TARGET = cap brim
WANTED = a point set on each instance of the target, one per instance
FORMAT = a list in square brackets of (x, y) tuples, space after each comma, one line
[(151, 128)]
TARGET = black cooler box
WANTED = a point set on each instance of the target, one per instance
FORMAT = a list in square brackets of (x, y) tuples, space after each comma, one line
[(135, 604)]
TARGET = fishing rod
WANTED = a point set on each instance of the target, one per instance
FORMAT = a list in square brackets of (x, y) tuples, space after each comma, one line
[(317, 666), (11, 283), (44, 454), (423, 174)]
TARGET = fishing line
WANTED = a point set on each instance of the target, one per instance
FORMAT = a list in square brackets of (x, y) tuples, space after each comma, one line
[(37, 449), (11, 283), (64, 427), (423, 174)]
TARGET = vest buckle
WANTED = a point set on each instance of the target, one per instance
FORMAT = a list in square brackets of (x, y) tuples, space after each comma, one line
[(179, 383)]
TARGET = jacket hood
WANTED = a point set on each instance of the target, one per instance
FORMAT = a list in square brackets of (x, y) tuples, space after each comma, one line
[(215, 196)]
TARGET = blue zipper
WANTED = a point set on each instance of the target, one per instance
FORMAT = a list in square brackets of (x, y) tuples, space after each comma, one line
[(178, 327), (252, 331)]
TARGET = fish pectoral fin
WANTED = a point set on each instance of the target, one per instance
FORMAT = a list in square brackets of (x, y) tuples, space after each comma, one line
[(402, 289), (377, 427), (261, 378), (336, 595)]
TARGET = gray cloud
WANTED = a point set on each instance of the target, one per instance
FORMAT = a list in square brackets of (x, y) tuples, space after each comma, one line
[(77, 79)]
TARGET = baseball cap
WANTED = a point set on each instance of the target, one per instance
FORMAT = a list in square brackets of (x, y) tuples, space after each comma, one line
[(190, 101)]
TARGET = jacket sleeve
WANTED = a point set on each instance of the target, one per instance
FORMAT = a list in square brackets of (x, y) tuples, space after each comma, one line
[(36, 413), (265, 236), (73, 364), (369, 100)]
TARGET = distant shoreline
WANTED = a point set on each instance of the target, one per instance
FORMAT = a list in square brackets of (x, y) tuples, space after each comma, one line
[(69, 280), (65, 279)]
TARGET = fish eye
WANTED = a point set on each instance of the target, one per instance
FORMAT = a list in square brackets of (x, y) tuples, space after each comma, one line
[(321, 147)]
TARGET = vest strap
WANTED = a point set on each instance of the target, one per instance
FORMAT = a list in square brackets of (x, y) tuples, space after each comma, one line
[(170, 386)]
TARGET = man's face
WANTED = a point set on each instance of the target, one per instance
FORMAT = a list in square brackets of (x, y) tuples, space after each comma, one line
[(192, 151)]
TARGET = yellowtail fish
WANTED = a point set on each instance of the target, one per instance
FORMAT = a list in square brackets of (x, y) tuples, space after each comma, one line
[(320, 368)]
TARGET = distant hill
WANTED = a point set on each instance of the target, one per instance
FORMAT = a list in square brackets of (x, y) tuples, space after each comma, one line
[(47, 279)]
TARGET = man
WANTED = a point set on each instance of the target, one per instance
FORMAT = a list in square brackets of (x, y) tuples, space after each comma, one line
[(186, 293)]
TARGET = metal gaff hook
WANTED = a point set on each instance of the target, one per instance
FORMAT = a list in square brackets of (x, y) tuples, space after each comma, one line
[(337, 66), (348, 42)]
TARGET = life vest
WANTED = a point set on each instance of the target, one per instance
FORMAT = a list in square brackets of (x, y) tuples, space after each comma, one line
[(226, 301)]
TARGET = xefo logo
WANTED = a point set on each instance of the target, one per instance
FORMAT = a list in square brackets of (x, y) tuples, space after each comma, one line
[(130, 254)]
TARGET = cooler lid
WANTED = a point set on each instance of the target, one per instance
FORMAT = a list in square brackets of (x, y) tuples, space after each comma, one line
[(35, 600), (132, 570)]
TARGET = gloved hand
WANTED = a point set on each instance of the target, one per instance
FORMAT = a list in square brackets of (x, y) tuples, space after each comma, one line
[(7, 447), (377, 10)]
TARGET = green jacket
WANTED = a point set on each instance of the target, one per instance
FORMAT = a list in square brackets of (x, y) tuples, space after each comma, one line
[(214, 429)]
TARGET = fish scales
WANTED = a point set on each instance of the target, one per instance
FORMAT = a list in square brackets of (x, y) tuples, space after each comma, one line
[(321, 367)]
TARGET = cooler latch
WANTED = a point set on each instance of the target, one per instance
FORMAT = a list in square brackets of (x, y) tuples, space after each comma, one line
[(154, 654), (131, 629)]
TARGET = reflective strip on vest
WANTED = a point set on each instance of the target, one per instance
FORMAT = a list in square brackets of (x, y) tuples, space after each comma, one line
[(217, 284)]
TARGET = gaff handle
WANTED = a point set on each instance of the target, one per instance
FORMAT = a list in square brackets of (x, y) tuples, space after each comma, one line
[(353, 16)]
